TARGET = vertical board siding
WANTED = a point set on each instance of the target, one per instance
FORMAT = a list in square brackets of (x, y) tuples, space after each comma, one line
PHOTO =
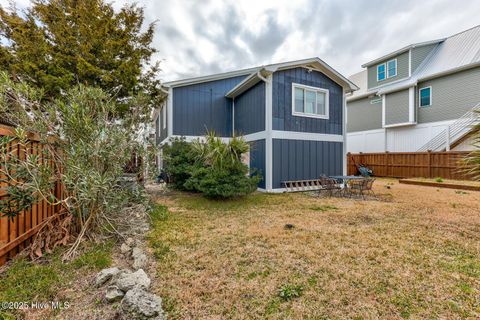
[(303, 160), (257, 159), (16, 233), (396, 107), (452, 96), (411, 164), (203, 106), (363, 115), (282, 102), (402, 71), (250, 110)]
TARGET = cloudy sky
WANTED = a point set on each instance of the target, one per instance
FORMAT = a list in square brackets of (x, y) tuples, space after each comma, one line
[(200, 37)]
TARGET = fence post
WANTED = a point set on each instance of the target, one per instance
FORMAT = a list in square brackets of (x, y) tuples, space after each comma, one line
[(429, 163), (386, 164)]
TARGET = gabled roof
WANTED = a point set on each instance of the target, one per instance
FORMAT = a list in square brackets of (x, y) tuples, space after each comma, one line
[(400, 51), (256, 74), (458, 52)]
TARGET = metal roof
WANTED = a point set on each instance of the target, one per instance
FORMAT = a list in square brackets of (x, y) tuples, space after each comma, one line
[(315, 62), (458, 52)]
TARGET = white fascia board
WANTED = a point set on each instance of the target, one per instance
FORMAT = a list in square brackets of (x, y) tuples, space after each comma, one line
[(344, 132), (212, 77)]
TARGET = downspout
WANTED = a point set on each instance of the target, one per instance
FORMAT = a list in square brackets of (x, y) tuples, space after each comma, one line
[(233, 116)]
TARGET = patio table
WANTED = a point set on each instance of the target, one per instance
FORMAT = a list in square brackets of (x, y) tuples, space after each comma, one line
[(345, 179)]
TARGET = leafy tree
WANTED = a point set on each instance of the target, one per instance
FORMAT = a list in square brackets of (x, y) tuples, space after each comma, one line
[(57, 44)]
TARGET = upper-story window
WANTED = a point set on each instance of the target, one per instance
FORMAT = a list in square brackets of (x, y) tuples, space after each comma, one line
[(309, 101), (425, 97), (381, 72), (392, 68)]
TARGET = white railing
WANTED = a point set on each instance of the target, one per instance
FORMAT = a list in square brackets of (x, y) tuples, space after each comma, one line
[(453, 132)]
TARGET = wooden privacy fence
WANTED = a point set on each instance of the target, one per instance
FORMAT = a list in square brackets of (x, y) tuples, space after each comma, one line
[(17, 233), (411, 164)]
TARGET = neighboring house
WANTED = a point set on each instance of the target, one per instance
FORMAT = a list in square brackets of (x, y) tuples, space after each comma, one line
[(417, 98), (291, 114)]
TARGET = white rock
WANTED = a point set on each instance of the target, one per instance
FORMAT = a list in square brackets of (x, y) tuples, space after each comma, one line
[(129, 242), (140, 304), (124, 248), (139, 262), (105, 275), (126, 280), (113, 294)]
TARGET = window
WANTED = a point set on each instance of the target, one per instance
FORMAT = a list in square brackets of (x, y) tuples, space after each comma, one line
[(164, 116), (425, 96), (376, 100), (309, 101), (381, 72), (392, 68)]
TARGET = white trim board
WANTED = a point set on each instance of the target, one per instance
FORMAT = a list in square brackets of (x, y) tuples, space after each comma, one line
[(294, 135)]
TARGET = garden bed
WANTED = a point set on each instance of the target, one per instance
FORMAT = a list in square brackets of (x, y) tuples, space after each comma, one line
[(440, 183)]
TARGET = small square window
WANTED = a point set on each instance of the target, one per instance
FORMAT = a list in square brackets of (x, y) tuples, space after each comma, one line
[(425, 96), (381, 72), (392, 68)]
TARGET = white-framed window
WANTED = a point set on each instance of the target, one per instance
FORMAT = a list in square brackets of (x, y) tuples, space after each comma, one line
[(164, 116), (425, 97), (309, 101), (392, 68), (381, 72), (376, 100)]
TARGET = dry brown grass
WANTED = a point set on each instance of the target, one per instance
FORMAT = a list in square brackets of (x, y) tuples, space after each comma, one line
[(415, 256)]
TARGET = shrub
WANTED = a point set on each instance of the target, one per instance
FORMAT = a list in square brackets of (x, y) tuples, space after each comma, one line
[(179, 163), (438, 179), (211, 167)]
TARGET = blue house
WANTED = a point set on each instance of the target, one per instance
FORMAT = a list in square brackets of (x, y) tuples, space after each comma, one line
[(292, 114)]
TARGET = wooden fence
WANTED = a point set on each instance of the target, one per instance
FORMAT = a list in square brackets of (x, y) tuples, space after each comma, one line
[(17, 233), (411, 164)]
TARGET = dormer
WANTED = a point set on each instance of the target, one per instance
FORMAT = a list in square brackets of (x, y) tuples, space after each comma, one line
[(398, 65)]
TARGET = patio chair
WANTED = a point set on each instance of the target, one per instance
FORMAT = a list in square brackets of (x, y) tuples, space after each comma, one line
[(360, 187), (329, 186)]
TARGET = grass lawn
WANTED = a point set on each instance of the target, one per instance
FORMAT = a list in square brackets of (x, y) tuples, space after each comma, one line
[(24, 281), (414, 256)]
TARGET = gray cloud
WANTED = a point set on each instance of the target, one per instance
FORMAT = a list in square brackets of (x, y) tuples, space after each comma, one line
[(196, 38)]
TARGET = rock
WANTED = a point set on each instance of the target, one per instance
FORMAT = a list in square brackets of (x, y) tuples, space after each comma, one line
[(126, 281), (139, 261), (105, 275), (113, 294), (124, 248), (140, 304), (139, 258), (129, 242)]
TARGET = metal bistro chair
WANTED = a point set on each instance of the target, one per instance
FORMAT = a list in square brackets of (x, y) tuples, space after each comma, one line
[(360, 187), (329, 186)]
